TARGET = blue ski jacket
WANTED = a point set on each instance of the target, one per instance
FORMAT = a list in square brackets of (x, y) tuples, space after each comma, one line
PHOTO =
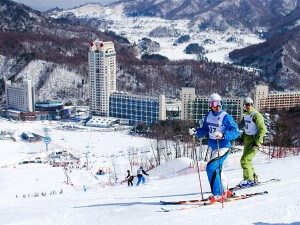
[(230, 133)]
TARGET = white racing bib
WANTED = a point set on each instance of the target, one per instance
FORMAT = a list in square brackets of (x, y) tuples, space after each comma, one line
[(215, 123), (250, 126)]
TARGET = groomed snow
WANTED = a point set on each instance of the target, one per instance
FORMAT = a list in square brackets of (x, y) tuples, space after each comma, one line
[(119, 204)]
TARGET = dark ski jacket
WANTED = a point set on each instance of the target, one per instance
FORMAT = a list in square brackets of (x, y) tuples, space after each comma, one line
[(129, 177), (143, 172)]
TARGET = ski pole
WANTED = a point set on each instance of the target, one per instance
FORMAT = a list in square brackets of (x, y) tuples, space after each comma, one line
[(194, 143), (221, 185)]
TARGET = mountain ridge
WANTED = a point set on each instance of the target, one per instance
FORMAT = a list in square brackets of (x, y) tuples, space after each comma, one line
[(218, 14), (54, 53), (277, 57)]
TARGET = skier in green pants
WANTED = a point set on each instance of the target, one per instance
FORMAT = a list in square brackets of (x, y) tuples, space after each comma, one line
[(255, 130)]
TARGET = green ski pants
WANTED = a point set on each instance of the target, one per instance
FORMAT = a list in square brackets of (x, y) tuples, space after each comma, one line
[(246, 161)]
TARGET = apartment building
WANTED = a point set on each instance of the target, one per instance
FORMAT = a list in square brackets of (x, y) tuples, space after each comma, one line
[(173, 109), (20, 97), (266, 101), (187, 95), (102, 73), (196, 107), (137, 109)]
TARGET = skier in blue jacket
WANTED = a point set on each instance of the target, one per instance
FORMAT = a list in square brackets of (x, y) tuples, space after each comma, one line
[(221, 129)]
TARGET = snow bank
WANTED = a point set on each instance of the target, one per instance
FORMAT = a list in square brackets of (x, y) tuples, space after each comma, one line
[(172, 167)]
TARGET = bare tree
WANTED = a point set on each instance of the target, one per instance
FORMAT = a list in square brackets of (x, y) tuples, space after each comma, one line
[(113, 174), (130, 155)]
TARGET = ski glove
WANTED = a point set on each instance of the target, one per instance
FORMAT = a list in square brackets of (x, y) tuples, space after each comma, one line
[(255, 146), (192, 131), (218, 135)]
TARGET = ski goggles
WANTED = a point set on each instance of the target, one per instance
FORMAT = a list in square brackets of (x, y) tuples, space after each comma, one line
[(247, 105), (215, 103)]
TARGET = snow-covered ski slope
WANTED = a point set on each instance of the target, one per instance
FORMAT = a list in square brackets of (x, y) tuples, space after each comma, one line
[(131, 205), (120, 204)]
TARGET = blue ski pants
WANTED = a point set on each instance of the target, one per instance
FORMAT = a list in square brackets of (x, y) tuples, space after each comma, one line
[(213, 170), (139, 180)]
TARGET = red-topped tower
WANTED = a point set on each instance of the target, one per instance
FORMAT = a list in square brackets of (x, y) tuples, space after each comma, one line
[(102, 72)]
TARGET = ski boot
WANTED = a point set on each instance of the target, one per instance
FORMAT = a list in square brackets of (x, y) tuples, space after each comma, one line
[(255, 178), (246, 183), (219, 198)]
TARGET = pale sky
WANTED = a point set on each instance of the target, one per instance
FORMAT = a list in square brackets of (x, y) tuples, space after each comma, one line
[(43, 5)]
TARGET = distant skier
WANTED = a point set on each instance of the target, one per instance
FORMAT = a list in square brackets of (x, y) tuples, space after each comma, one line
[(253, 135), (129, 178), (84, 188), (140, 176), (220, 127)]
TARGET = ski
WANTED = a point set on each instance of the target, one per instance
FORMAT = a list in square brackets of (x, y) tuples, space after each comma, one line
[(185, 202), (233, 189), (259, 183), (205, 203)]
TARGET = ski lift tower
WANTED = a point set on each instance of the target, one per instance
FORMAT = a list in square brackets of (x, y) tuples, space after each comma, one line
[(46, 139), (87, 157)]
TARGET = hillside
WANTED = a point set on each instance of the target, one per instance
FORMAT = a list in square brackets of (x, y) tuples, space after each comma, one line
[(166, 37), (154, 77), (53, 53), (215, 14), (289, 22), (278, 58)]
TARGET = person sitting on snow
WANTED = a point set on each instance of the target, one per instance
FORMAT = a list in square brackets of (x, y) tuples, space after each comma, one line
[(100, 172)]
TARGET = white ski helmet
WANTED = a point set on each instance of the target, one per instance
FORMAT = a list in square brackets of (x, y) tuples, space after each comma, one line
[(248, 100), (215, 98)]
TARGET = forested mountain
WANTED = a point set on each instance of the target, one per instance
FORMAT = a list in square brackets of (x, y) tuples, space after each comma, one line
[(274, 20), (53, 53), (278, 57), (285, 24), (254, 15)]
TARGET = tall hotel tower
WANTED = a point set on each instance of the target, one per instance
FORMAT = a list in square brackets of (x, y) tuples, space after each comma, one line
[(102, 72)]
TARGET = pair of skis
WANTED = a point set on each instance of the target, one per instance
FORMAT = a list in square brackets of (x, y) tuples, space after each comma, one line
[(204, 202), (259, 183)]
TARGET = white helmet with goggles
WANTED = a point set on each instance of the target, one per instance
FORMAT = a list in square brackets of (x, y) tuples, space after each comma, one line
[(215, 100), (248, 100)]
